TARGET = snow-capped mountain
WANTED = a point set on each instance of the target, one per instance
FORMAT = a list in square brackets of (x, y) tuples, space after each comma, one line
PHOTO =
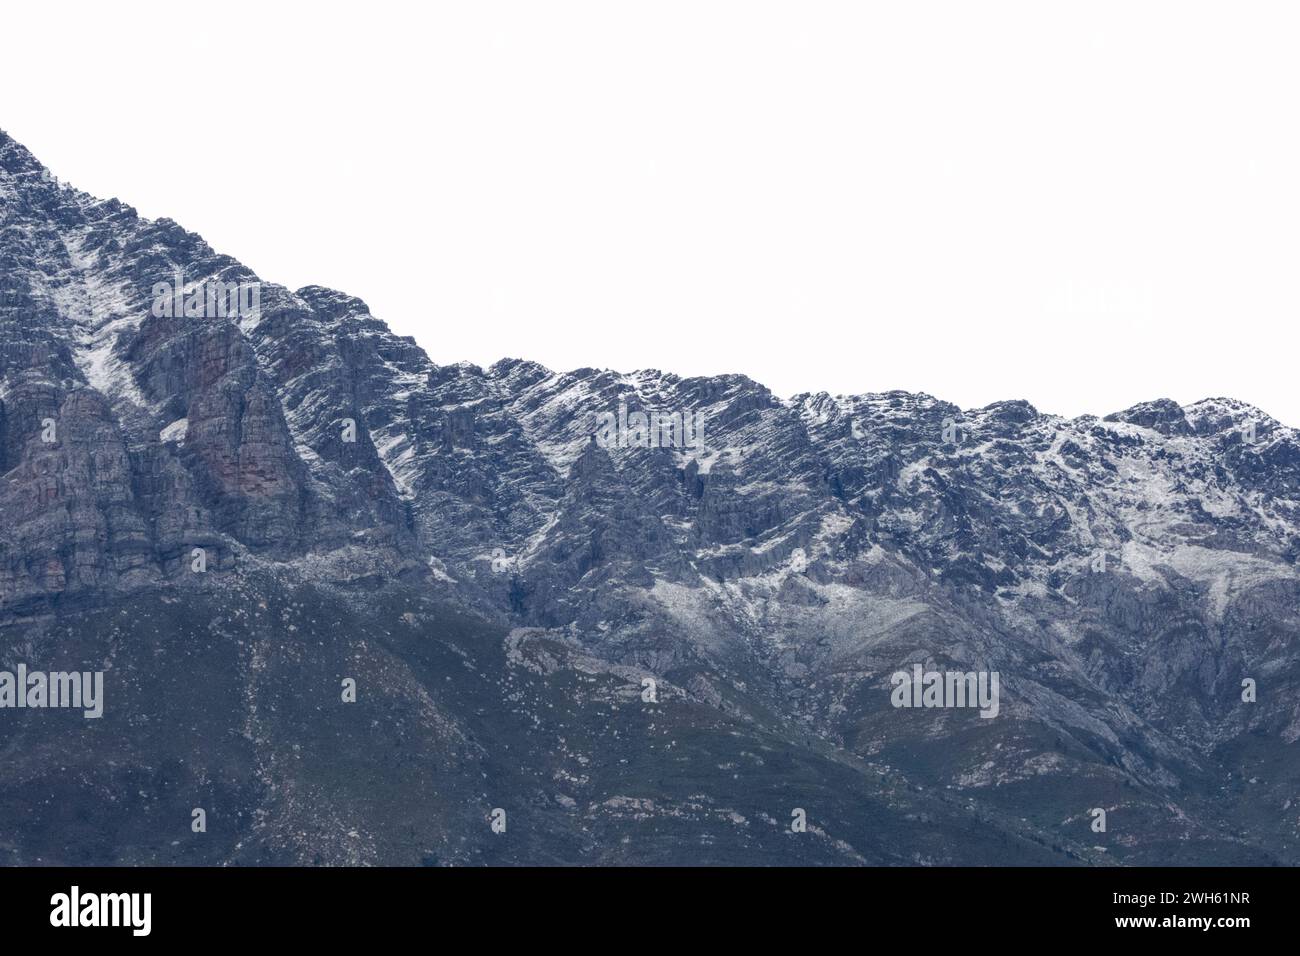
[(641, 654)]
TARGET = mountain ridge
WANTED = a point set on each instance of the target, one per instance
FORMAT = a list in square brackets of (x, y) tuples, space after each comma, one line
[(1123, 574)]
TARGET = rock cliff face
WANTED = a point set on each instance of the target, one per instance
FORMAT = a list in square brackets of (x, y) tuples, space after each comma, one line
[(502, 577)]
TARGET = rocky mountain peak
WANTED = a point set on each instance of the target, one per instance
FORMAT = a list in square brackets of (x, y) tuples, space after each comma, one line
[(771, 562)]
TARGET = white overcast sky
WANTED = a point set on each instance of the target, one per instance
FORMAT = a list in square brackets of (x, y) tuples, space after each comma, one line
[(1084, 204)]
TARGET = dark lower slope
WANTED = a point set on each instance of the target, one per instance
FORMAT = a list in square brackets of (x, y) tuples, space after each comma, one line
[(230, 700)]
